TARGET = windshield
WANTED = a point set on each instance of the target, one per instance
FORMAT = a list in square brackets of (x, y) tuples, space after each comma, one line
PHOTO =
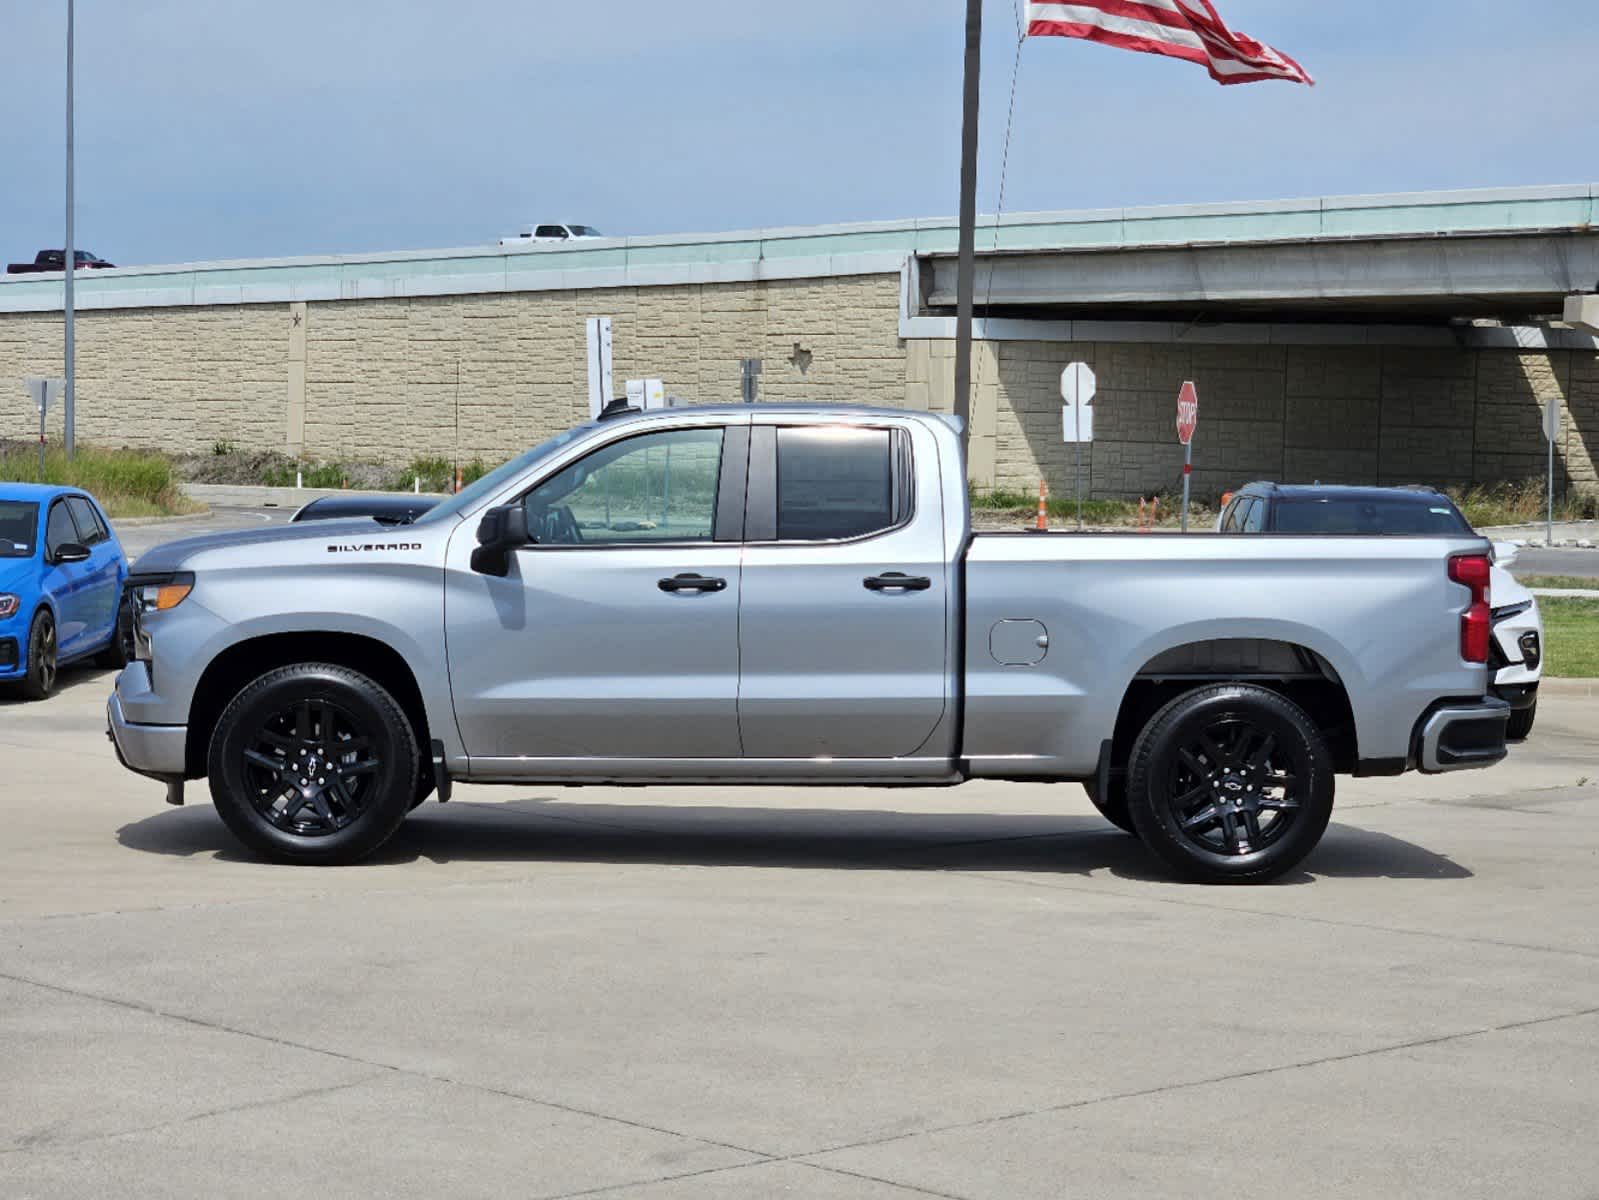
[(453, 507), (19, 525), (1365, 515)]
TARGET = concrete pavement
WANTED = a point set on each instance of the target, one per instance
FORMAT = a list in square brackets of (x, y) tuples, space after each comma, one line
[(977, 992)]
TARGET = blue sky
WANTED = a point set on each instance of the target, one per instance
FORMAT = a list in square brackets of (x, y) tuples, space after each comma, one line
[(242, 128)]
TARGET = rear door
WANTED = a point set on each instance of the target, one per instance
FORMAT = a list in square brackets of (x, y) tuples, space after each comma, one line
[(843, 621)]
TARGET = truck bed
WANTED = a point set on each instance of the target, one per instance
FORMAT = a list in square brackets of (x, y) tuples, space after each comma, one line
[(1380, 616)]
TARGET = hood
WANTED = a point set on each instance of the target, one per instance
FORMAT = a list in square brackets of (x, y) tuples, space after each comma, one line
[(171, 556), (1503, 588)]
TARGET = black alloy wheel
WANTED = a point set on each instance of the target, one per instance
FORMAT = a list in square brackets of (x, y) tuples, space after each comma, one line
[(310, 768), (313, 763), (43, 658), (1231, 783)]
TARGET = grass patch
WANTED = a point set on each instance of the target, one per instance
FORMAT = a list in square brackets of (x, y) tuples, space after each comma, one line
[(1101, 513), (1520, 504), (1571, 637), (1558, 581), (437, 474), (128, 483)]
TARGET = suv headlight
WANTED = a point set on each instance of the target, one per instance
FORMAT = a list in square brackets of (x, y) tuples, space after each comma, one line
[(8, 605), (158, 593)]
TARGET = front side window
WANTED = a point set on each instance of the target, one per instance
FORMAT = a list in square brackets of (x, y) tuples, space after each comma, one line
[(1255, 521), (90, 531), (18, 525), (834, 482), (658, 487), (60, 529)]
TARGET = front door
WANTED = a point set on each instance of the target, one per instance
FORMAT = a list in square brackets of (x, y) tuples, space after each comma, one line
[(70, 585), (842, 632), (615, 635)]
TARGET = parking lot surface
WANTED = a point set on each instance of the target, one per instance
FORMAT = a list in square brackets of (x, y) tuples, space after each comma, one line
[(976, 992)]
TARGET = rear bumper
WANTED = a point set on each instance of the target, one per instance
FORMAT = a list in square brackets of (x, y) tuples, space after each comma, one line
[(1520, 696), (1462, 736), (158, 751)]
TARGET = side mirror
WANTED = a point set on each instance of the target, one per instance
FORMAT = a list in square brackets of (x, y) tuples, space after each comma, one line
[(70, 552), (500, 531)]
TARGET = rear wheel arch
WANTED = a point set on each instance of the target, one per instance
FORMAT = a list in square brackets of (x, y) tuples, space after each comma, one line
[(240, 664), (1294, 671)]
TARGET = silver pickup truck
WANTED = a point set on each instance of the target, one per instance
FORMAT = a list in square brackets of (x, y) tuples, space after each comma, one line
[(794, 595)]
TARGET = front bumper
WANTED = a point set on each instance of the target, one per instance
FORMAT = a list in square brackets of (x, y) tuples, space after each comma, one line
[(159, 751), (1462, 736)]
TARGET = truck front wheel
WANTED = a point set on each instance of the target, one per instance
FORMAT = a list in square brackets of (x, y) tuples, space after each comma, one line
[(313, 763), (1231, 783)]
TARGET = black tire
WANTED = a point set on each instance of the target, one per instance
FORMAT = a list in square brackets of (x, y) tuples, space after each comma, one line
[(353, 742), (1520, 724), (43, 663), (120, 652), (1230, 784), (1114, 807)]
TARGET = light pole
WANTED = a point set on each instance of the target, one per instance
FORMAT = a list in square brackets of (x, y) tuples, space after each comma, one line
[(965, 276), (69, 263)]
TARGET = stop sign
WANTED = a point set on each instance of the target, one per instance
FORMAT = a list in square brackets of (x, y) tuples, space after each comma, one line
[(1187, 412)]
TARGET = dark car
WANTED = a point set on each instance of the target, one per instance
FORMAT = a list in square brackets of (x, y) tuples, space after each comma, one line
[(386, 510), (56, 260), (1516, 650)]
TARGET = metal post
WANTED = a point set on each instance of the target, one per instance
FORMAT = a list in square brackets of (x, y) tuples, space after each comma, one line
[(1188, 469), (69, 413), (41, 443), (965, 283), (1551, 496), (1079, 474)]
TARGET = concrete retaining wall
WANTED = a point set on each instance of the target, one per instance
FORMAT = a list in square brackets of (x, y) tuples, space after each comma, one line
[(392, 379)]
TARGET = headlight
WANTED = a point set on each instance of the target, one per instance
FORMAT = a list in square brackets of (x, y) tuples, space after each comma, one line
[(8, 605), (158, 593)]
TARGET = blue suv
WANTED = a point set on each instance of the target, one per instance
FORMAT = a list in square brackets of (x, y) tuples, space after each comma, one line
[(61, 577)]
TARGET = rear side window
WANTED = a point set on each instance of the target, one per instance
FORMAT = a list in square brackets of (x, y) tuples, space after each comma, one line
[(554, 231), (91, 530), (59, 530), (834, 482), (1341, 515)]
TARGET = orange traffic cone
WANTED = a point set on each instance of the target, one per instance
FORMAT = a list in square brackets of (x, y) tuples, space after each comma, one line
[(1043, 508), (458, 478)]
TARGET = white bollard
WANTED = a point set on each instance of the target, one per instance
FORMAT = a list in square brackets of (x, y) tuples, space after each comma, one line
[(416, 485), (299, 480)]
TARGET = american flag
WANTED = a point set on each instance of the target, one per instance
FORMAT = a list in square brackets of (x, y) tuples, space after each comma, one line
[(1190, 29)]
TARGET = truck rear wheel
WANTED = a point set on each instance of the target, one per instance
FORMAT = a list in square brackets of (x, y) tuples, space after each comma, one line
[(1231, 783), (313, 763)]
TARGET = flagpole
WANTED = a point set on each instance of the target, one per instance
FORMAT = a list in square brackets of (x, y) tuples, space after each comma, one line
[(966, 267)]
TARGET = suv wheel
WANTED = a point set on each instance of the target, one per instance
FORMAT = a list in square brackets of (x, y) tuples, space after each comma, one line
[(1113, 807), (313, 763), (1230, 783)]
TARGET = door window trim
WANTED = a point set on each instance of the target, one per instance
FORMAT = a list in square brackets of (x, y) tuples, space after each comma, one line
[(760, 521), (726, 527)]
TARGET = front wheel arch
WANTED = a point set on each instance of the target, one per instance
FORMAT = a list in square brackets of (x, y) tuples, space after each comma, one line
[(244, 662)]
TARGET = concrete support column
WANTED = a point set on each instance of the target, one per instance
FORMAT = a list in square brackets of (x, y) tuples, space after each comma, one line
[(930, 387), (294, 434), (1583, 312)]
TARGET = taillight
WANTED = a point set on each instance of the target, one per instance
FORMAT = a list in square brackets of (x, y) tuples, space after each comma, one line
[(1476, 623)]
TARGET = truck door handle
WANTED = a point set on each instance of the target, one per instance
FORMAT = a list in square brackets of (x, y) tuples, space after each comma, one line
[(897, 581), (691, 583)]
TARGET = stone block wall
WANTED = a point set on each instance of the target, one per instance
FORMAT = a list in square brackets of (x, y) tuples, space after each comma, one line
[(484, 376)]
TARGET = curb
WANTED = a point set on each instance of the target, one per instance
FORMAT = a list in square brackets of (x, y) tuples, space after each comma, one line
[(259, 496), (1569, 687), (137, 522)]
